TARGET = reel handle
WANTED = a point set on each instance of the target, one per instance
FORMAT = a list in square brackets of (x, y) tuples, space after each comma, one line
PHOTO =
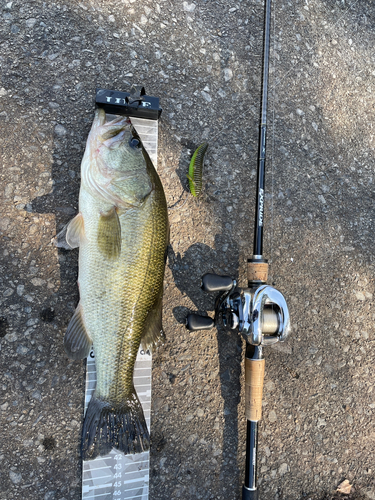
[(195, 322), (216, 283)]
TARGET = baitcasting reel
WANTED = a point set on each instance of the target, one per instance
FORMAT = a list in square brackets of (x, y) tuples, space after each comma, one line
[(259, 312), (261, 315)]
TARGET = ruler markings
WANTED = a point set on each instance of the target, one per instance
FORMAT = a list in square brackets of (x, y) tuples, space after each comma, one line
[(97, 478)]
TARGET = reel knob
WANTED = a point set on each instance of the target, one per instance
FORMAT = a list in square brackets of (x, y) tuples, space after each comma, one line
[(194, 322), (216, 283)]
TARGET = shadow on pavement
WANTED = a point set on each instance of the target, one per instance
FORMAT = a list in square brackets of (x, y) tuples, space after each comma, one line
[(187, 272)]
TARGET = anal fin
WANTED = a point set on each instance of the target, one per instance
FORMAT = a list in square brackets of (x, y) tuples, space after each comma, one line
[(109, 234), (77, 342), (153, 333)]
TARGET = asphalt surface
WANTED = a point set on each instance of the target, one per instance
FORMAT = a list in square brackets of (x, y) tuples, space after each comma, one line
[(203, 59)]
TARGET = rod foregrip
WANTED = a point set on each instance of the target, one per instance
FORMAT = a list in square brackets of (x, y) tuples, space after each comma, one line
[(257, 271), (249, 494), (254, 378)]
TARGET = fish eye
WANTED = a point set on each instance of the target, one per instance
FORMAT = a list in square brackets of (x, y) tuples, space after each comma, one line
[(134, 143)]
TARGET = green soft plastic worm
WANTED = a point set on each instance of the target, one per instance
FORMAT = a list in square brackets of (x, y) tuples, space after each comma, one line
[(196, 170)]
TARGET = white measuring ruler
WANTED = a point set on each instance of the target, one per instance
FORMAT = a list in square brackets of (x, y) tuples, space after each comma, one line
[(117, 476)]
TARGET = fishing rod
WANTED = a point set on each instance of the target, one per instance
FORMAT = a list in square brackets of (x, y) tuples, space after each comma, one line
[(259, 312)]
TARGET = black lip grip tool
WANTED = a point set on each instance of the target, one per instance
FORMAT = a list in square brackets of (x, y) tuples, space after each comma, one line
[(134, 104)]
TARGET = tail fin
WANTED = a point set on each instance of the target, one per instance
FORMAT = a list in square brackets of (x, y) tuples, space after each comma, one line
[(107, 426)]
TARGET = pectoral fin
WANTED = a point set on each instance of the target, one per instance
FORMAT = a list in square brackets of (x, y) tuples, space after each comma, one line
[(77, 341), (109, 234), (70, 236), (153, 332)]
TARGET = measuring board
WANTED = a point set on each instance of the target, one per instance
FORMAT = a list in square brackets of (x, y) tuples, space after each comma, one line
[(117, 476)]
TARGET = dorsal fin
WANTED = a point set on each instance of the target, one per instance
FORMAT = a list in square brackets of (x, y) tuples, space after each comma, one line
[(77, 341)]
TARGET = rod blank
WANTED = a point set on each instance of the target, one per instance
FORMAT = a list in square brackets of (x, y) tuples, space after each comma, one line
[(259, 218)]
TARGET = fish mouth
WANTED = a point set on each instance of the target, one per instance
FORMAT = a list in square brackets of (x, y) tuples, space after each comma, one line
[(114, 133), (115, 139), (113, 128), (110, 130)]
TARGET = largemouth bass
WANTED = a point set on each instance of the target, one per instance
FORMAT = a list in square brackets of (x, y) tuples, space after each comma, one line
[(122, 232)]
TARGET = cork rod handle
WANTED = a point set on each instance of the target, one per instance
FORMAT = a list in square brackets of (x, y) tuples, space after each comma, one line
[(254, 377), (257, 271)]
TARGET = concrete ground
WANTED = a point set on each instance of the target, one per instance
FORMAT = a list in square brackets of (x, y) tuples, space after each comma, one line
[(203, 59)]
